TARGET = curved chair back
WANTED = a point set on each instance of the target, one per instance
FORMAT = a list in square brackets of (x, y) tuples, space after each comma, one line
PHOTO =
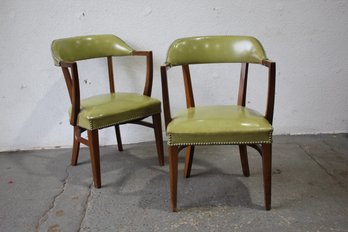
[(215, 49), (87, 47)]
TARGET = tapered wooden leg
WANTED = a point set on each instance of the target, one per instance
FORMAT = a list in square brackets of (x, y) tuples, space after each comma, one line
[(118, 138), (173, 175), (95, 158), (76, 146), (188, 160), (159, 138), (267, 173), (244, 159)]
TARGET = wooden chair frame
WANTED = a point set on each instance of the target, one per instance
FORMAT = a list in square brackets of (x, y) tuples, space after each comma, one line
[(265, 149), (71, 76)]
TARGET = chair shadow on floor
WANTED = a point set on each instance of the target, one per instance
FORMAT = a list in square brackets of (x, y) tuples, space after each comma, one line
[(205, 190), (208, 187)]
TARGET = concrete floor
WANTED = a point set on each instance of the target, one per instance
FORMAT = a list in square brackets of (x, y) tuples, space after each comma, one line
[(39, 191)]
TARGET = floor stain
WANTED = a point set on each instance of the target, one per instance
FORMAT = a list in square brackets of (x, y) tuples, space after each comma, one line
[(54, 228), (60, 213)]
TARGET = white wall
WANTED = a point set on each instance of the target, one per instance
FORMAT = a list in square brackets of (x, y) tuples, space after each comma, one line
[(307, 39)]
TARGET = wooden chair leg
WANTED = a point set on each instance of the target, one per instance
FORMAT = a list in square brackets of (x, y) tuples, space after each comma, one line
[(188, 160), (244, 159), (76, 146), (95, 158), (118, 138), (158, 136), (267, 173), (173, 175)]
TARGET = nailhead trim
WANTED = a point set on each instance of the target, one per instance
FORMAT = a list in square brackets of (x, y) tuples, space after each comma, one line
[(218, 143), (93, 127)]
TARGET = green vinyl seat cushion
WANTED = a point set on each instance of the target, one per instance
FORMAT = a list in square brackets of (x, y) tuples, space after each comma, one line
[(223, 124), (115, 108)]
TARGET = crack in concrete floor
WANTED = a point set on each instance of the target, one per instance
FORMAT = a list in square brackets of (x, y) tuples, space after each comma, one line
[(86, 206), (44, 216)]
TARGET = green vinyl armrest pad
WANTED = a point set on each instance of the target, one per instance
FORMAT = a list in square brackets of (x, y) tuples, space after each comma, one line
[(225, 124), (110, 109)]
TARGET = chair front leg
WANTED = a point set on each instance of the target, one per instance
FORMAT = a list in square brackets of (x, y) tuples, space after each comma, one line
[(93, 141), (76, 146), (118, 137), (188, 160), (244, 159), (267, 173), (173, 175), (158, 137)]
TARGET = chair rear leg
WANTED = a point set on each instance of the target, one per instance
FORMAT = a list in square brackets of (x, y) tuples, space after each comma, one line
[(267, 173), (173, 175), (158, 136), (95, 157), (76, 146), (244, 159), (118, 138), (188, 160)]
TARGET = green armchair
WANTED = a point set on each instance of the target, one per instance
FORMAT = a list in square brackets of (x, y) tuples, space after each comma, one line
[(218, 124), (109, 109)]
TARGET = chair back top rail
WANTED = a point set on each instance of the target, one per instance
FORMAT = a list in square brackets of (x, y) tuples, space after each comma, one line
[(215, 49), (87, 47)]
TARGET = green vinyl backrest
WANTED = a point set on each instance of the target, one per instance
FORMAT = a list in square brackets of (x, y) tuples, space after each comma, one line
[(215, 49), (87, 47)]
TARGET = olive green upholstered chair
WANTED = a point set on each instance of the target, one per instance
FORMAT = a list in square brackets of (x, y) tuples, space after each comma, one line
[(218, 124), (109, 109)]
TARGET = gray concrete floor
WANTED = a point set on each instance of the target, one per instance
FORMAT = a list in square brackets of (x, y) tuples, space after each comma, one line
[(39, 191)]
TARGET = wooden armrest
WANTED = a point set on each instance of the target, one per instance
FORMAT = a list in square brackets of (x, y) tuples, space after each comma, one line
[(165, 95), (149, 70), (271, 88)]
